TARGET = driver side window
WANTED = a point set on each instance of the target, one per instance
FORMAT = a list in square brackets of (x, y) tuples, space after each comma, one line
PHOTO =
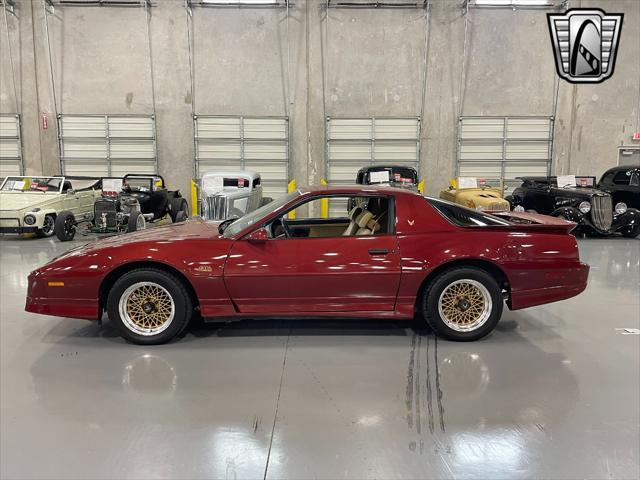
[(335, 216)]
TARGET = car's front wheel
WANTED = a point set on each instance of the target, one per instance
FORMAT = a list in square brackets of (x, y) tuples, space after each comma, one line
[(136, 222), (632, 231), (462, 304), (149, 306), (48, 227)]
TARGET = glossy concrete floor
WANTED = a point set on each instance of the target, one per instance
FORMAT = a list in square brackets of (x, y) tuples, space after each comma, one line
[(553, 393)]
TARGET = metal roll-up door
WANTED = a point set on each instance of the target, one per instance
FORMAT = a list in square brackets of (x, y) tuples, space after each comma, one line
[(10, 145), (503, 148), (260, 144), (107, 145), (353, 143)]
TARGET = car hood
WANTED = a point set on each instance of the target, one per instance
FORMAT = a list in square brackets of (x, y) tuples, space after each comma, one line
[(23, 200), (194, 229)]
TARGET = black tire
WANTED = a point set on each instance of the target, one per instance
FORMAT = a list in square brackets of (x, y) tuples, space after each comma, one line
[(134, 219), (183, 305), (178, 205), (181, 216), (49, 227), (632, 231), (65, 226), (429, 303)]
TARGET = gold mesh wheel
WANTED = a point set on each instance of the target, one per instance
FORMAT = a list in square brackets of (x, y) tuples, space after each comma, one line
[(465, 305), (146, 308)]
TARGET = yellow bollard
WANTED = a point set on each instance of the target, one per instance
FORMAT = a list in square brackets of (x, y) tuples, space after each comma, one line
[(453, 183), (194, 198), (324, 202), (290, 188), (421, 186)]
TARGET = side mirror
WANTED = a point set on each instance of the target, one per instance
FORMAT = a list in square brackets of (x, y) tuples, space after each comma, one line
[(258, 236), (71, 191)]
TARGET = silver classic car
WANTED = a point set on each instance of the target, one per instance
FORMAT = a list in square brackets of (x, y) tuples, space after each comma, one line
[(231, 193), (31, 204)]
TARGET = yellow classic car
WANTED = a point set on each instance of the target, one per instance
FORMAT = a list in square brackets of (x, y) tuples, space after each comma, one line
[(482, 197)]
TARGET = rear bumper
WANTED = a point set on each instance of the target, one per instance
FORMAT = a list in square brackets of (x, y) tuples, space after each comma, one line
[(573, 283), (63, 307)]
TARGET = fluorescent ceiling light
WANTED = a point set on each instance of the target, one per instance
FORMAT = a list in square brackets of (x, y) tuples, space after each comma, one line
[(515, 3), (247, 2)]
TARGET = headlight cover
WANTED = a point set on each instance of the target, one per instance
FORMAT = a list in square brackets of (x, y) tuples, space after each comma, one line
[(584, 207), (621, 207), (29, 219)]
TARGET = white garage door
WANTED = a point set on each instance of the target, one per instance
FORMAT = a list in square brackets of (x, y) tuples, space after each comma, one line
[(260, 144), (496, 148), (353, 143), (107, 145), (10, 145)]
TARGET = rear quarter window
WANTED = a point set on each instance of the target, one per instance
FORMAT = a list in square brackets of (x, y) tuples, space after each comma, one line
[(464, 217)]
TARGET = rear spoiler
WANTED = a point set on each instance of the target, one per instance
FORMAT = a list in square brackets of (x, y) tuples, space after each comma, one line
[(534, 222)]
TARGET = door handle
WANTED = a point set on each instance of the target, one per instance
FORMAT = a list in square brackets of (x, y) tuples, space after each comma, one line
[(378, 251)]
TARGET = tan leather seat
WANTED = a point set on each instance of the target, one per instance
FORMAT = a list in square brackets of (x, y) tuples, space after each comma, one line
[(353, 226), (367, 224)]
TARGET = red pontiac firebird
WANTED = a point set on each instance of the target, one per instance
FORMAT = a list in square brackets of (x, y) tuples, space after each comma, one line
[(381, 252)]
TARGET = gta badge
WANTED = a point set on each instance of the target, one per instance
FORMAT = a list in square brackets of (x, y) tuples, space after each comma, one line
[(585, 43)]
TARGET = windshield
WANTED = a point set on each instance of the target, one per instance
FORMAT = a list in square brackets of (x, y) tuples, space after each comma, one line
[(32, 184), (252, 217)]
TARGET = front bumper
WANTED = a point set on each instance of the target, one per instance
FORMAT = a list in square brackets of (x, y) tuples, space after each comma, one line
[(629, 218), (13, 225), (18, 230)]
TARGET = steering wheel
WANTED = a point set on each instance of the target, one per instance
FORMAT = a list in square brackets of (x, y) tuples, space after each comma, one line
[(279, 228)]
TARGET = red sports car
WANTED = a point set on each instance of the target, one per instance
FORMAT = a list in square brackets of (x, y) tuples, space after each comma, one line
[(394, 254)]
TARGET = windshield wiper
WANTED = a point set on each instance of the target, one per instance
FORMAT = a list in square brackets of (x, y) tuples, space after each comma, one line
[(223, 226)]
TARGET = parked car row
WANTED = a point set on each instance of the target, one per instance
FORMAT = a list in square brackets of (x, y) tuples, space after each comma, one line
[(61, 206), (609, 206)]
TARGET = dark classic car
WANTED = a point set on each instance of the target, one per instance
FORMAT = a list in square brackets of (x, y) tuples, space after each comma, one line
[(126, 205), (393, 175), (592, 209), (623, 184)]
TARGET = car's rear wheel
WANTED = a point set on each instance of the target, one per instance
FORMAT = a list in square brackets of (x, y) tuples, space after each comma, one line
[(65, 226), (178, 205), (181, 216), (462, 304), (149, 306), (48, 227)]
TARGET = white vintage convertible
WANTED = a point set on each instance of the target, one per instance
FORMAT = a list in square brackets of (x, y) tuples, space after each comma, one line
[(31, 204)]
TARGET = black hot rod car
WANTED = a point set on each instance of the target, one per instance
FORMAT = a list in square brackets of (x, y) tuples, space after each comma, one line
[(592, 209), (126, 205)]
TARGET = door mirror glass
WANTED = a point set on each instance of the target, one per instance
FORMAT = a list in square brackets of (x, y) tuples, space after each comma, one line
[(258, 236)]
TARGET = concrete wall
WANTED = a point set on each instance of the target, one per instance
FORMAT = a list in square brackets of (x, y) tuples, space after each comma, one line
[(359, 62)]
